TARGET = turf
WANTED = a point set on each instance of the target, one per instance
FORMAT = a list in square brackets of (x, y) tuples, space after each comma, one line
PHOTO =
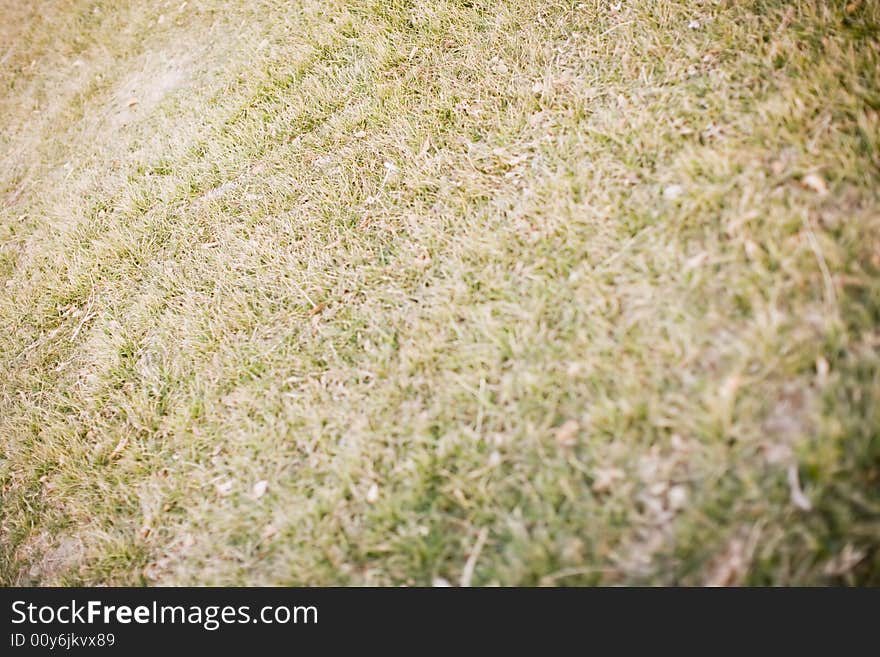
[(439, 292)]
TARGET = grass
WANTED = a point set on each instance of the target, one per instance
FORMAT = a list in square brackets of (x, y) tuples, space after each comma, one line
[(488, 292)]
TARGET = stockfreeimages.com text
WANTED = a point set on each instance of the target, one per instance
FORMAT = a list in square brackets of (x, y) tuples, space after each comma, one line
[(210, 617)]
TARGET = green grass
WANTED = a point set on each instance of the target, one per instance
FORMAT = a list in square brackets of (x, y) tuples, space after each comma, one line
[(488, 292)]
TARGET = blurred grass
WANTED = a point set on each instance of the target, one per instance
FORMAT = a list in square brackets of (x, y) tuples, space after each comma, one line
[(598, 283)]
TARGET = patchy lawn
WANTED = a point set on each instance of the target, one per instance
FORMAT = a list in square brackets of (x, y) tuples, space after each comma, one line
[(427, 291)]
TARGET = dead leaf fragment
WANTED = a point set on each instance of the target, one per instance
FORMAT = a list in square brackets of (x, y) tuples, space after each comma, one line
[(120, 446), (729, 388), (132, 102), (777, 453), (677, 497), (752, 250), (798, 498), (822, 369), (566, 433), (500, 68), (154, 571), (672, 192), (423, 258), (605, 478), (730, 566), (467, 572), (844, 562), (816, 183), (260, 489)]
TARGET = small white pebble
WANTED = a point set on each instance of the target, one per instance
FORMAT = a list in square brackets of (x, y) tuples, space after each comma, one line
[(373, 494)]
